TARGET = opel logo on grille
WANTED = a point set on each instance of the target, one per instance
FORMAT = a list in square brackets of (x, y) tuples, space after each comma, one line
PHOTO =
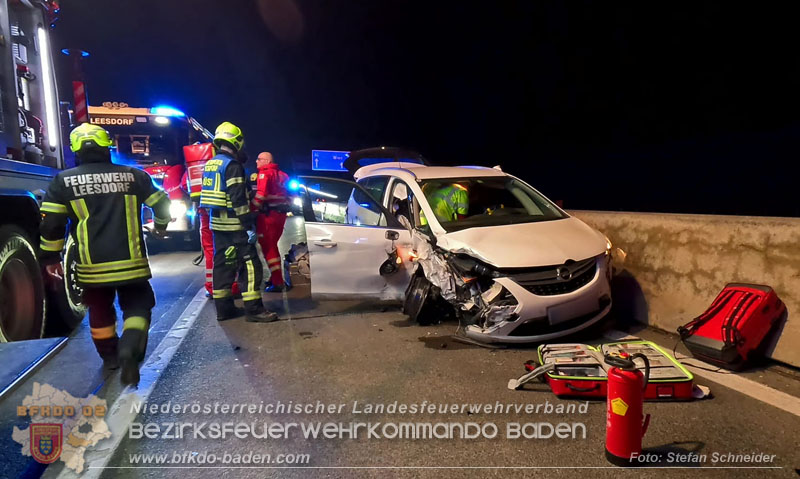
[(564, 273)]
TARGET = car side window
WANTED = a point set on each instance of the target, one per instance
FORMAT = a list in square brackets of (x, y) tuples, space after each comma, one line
[(374, 187), (402, 204), (342, 202)]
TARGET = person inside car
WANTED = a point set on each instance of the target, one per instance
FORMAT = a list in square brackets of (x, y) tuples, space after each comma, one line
[(449, 203)]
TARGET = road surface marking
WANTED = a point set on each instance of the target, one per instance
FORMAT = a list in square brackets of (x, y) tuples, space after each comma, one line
[(748, 387), (120, 416)]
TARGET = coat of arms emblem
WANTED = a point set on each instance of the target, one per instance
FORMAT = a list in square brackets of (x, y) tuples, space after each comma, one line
[(46, 442)]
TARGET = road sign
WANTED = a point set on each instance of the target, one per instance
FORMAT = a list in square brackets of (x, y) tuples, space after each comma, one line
[(327, 160)]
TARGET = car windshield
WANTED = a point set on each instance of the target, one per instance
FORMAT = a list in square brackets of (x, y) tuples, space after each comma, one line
[(461, 203)]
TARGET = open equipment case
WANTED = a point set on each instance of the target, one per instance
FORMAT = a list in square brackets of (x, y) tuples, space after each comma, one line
[(579, 370)]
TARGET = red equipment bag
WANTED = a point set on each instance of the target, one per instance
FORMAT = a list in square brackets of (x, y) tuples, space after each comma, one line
[(579, 370), (735, 325), (196, 156)]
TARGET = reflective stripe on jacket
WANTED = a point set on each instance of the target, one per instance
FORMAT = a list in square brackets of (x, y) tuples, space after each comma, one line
[(102, 204), (225, 194)]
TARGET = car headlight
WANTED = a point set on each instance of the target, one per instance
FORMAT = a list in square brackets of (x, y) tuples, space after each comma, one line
[(177, 209), (608, 245), (468, 265)]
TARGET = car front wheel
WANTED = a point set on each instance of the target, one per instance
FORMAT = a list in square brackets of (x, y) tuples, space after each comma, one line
[(418, 304)]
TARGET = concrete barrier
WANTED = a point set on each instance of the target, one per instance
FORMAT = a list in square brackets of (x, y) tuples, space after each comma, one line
[(676, 264)]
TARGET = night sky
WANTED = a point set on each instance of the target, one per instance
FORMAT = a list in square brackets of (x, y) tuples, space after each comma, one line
[(642, 106)]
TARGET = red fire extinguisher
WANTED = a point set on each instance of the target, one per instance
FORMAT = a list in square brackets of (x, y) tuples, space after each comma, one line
[(624, 425)]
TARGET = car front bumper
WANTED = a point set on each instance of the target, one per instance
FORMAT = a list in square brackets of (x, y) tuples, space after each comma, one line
[(543, 318)]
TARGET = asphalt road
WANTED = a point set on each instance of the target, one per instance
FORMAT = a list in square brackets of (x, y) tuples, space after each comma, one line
[(353, 354), (336, 355), (78, 369)]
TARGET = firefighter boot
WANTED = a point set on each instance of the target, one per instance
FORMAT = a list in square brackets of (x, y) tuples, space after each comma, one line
[(226, 309), (260, 315), (130, 350), (111, 363), (142, 346)]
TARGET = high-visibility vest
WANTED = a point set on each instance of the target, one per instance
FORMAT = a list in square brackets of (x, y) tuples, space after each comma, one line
[(448, 202), (213, 193), (227, 213)]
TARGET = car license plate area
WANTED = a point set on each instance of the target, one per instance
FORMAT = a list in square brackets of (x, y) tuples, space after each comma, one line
[(572, 309)]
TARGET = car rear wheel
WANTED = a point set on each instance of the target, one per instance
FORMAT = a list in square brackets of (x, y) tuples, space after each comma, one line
[(22, 296)]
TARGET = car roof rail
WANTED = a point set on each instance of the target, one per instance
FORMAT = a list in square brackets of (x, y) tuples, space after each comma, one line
[(371, 156)]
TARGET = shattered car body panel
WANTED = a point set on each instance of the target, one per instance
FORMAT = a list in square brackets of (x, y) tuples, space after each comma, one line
[(518, 283), (500, 309), (528, 244)]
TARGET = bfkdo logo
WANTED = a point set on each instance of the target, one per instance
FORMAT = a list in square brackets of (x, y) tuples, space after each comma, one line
[(46, 440), (62, 427)]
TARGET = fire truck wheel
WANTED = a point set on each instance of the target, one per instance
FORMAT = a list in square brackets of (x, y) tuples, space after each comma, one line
[(22, 297), (66, 309)]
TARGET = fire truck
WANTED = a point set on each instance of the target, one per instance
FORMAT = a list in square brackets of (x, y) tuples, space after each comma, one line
[(31, 144), (153, 139)]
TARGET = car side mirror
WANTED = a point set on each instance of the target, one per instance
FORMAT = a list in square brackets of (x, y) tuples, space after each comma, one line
[(392, 235)]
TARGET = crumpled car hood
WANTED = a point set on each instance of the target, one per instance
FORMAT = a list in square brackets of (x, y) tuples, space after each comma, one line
[(527, 244)]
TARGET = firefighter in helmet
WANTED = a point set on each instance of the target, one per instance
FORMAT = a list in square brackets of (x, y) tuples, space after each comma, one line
[(102, 202), (225, 194)]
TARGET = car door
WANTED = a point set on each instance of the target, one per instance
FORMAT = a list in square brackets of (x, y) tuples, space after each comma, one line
[(346, 254)]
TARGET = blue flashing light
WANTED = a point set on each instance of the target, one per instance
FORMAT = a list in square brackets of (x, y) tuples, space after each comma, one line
[(68, 52), (294, 185), (164, 110)]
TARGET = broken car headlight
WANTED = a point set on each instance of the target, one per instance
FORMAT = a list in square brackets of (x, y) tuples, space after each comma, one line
[(466, 266)]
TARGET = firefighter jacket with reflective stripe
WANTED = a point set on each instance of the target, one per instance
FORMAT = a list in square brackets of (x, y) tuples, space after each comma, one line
[(225, 194), (102, 204), (271, 191)]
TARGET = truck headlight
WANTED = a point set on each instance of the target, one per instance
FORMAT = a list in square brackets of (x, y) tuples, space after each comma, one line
[(177, 209)]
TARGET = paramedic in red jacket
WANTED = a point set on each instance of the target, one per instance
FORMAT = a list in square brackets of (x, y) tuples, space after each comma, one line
[(272, 200)]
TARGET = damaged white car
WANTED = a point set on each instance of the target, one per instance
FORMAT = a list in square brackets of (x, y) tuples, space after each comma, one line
[(472, 242)]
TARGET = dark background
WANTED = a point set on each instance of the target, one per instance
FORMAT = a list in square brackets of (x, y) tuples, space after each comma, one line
[(642, 106)]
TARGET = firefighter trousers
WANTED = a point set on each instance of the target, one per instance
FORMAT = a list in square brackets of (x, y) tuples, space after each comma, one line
[(136, 300), (232, 256), (269, 227), (207, 242)]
